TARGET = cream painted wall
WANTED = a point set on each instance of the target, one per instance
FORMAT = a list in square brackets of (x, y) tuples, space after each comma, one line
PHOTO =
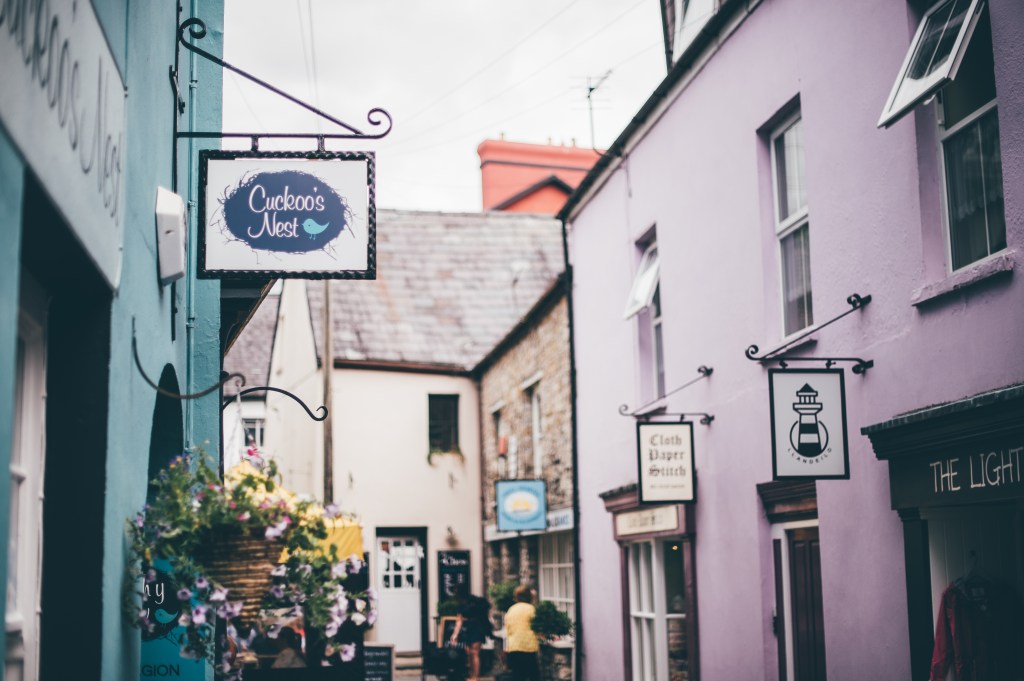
[(380, 420), (381, 471), (292, 438)]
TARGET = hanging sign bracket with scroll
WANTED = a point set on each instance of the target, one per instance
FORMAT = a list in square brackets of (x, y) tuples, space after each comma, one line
[(293, 214)]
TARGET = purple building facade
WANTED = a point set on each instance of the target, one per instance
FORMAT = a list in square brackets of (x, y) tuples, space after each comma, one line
[(798, 153)]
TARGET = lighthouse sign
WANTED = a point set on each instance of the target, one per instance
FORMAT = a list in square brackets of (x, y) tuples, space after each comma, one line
[(808, 422), (287, 214)]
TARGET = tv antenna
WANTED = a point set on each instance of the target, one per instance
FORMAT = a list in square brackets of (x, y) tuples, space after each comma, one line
[(591, 87)]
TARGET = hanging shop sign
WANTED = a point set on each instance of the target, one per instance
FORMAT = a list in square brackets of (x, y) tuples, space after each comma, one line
[(522, 505), (452, 573), (287, 215), (808, 420), (63, 105), (665, 463)]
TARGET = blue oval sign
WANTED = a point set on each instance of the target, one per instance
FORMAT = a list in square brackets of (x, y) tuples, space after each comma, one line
[(287, 212)]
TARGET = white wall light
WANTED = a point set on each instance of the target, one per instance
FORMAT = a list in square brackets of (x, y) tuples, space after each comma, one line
[(170, 235)]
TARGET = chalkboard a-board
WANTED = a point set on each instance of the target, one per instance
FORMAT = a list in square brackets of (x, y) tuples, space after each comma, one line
[(380, 661)]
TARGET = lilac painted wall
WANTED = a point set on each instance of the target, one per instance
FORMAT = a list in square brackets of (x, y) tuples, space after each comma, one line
[(702, 176)]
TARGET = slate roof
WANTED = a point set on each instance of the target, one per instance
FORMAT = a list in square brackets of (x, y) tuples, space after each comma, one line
[(249, 355), (449, 287)]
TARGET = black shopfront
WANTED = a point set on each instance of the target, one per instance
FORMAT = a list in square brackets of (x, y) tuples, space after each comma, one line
[(957, 482)]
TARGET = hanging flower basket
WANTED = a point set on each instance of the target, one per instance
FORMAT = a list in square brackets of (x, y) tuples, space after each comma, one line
[(241, 562), (232, 549)]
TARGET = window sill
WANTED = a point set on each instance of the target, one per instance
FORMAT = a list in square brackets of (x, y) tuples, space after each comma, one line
[(1001, 263)]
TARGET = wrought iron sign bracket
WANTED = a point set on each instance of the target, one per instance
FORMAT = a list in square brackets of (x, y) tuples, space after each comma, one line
[(173, 395), (856, 302), (266, 388), (196, 30), (705, 418), (640, 414)]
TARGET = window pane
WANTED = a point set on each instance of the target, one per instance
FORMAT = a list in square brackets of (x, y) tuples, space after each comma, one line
[(678, 658), (789, 171), (796, 279), (649, 650), (646, 279), (938, 38), (675, 585), (646, 578), (966, 192), (659, 345), (975, 83), (992, 166), (444, 424)]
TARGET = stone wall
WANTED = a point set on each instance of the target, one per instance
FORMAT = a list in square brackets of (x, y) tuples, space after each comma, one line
[(537, 361), (543, 351)]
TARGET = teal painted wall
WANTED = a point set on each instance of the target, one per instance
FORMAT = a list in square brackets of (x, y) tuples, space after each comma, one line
[(142, 38), (12, 174), (195, 351)]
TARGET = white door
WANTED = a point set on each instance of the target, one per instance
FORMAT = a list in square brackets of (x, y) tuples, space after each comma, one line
[(398, 587), (25, 539)]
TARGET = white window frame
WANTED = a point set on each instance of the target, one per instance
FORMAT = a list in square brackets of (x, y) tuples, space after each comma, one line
[(645, 281), (786, 226), (780, 531), (652, 583), (657, 352), (552, 572), (259, 424), (945, 134), (536, 427), (27, 470), (899, 104)]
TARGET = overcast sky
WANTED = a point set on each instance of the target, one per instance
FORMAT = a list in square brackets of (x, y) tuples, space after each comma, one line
[(451, 73)]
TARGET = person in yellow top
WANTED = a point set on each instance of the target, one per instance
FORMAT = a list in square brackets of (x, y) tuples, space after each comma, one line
[(522, 642)]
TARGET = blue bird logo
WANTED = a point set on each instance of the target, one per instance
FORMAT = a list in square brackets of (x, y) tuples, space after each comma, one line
[(312, 227)]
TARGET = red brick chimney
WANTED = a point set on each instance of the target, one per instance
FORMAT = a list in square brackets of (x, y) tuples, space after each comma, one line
[(530, 178)]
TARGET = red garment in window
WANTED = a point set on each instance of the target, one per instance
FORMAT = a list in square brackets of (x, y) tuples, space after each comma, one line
[(978, 631)]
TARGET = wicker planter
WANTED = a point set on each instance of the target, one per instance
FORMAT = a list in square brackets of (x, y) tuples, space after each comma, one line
[(241, 563)]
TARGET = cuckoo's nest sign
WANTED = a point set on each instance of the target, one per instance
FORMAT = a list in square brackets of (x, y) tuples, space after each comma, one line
[(287, 215), (665, 458), (808, 417)]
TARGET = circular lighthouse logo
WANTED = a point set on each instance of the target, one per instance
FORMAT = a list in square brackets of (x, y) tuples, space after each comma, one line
[(808, 436)]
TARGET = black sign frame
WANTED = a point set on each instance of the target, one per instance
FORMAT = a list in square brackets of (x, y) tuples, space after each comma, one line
[(445, 570), (205, 156), (845, 475), (371, 651), (639, 465)]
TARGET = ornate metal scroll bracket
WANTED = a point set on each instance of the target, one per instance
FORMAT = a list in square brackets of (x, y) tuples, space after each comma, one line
[(178, 396), (641, 413), (856, 302), (196, 30), (266, 388), (667, 417)]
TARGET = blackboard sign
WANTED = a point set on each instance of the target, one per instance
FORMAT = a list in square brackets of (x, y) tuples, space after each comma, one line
[(380, 661), (452, 573)]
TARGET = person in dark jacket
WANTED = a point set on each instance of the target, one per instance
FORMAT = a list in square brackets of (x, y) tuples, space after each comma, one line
[(474, 626)]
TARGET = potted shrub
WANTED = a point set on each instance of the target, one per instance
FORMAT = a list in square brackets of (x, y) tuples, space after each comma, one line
[(232, 549), (549, 623)]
